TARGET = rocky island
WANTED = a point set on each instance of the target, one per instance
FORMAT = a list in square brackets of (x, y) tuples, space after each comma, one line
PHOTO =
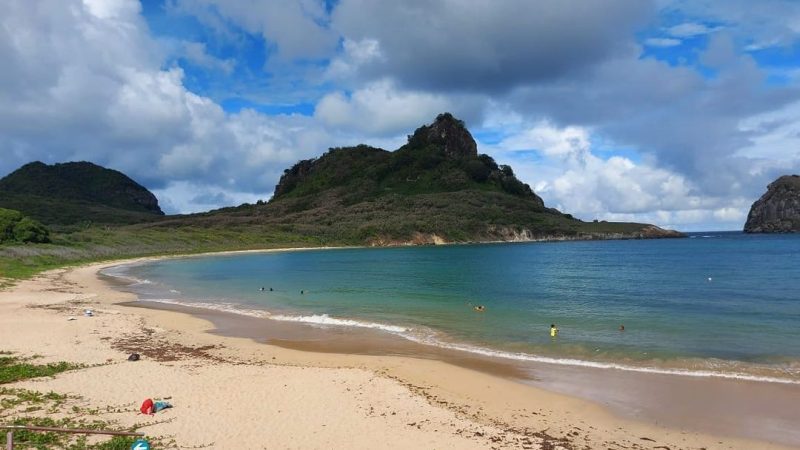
[(778, 210)]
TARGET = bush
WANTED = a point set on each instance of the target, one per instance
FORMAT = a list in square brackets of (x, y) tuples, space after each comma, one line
[(8, 220), (29, 230), (14, 227), (478, 170)]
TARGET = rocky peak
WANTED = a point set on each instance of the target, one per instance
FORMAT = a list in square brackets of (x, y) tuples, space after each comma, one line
[(778, 210), (449, 133)]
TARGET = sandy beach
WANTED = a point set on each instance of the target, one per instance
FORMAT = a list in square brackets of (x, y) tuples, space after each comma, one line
[(235, 391)]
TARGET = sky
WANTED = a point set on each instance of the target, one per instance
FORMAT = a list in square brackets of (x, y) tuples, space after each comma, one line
[(672, 112)]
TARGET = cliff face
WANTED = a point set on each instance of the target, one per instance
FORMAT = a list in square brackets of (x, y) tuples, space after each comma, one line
[(778, 210)]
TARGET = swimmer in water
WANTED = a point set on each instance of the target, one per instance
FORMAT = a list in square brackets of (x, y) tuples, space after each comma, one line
[(262, 289), (553, 330), (622, 328), (480, 308)]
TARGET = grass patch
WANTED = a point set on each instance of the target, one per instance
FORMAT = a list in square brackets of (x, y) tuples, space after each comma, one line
[(49, 440), (32, 408), (13, 369)]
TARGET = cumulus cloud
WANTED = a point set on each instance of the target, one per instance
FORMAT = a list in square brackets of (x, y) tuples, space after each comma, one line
[(662, 42), (555, 86), (489, 46), (295, 29), (763, 23), (689, 29), (196, 53), (380, 109), (571, 177), (85, 82)]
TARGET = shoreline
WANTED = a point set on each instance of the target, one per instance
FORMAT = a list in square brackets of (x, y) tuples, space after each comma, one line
[(653, 404), (511, 410)]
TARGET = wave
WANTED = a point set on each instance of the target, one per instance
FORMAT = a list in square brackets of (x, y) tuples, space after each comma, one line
[(608, 365), (324, 319), (428, 337), (226, 307), (120, 273)]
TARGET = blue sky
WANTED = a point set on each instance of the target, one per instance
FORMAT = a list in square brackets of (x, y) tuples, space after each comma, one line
[(672, 112)]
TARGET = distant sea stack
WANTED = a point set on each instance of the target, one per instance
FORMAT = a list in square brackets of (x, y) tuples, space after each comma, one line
[(778, 210)]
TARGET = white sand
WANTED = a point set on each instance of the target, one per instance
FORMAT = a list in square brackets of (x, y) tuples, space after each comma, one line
[(243, 394)]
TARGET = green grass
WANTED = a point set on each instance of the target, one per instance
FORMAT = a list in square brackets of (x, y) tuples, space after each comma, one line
[(32, 408), (50, 440), (13, 369)]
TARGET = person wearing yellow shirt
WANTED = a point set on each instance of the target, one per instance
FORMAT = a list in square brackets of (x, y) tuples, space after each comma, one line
[(553, 331)]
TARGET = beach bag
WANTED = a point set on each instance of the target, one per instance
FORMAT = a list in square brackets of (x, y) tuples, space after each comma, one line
[(133, 357), (147, 406)]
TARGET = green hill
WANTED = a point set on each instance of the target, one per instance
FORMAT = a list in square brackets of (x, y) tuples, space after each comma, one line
[(436, 188), (77, 192)]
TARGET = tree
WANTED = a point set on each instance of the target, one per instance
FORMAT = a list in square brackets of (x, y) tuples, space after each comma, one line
[(29, 230), (14, 227), (8, 219)]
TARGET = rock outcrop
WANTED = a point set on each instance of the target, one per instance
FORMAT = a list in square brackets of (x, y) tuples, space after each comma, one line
[(778, 210), (449, 133)]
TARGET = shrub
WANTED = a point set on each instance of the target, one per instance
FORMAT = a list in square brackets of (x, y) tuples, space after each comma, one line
[(29, 230), (8, 220), (14, 227)]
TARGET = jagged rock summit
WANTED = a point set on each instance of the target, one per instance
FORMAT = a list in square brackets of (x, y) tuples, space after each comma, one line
[(449, 133), (778, 210)]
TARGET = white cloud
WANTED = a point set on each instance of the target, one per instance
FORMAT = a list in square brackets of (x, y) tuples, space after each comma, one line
[(186, 197), (196, 53), (380, 108), (689, 30), (295, 28), (100, 94), (571, 177), (662, 42), (776, 136), (762, 23)]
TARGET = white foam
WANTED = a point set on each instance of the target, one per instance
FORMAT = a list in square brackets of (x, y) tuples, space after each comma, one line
[(118, 272), (604, 365), (429, 338), (324, 319), (217, 306)]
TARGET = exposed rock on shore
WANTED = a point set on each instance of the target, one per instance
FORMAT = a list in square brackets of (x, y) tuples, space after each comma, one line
[(778, 210)]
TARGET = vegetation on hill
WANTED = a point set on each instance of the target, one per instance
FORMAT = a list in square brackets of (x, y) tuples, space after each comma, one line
[(14, 227), (77, 193), (434, 189)]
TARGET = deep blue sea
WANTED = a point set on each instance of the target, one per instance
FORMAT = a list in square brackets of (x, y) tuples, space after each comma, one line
[(714, 304)]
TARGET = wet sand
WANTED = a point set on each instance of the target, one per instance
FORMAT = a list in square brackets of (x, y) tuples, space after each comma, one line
[(288, 385), (749, 409)]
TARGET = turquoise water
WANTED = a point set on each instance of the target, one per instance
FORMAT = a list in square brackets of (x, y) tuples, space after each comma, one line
[(715, 303)]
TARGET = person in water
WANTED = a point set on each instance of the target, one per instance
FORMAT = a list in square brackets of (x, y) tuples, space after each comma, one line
[(262, 289), (553, 330), (622, 328), (480, 308)]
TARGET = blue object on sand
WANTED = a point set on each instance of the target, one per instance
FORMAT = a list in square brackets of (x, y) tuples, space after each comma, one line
[(140, 444)]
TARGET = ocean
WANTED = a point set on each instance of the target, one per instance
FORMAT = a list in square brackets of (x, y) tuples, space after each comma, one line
[(716, 304)]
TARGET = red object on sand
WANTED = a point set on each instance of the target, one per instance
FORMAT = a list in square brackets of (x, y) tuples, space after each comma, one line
[(147, 406)]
